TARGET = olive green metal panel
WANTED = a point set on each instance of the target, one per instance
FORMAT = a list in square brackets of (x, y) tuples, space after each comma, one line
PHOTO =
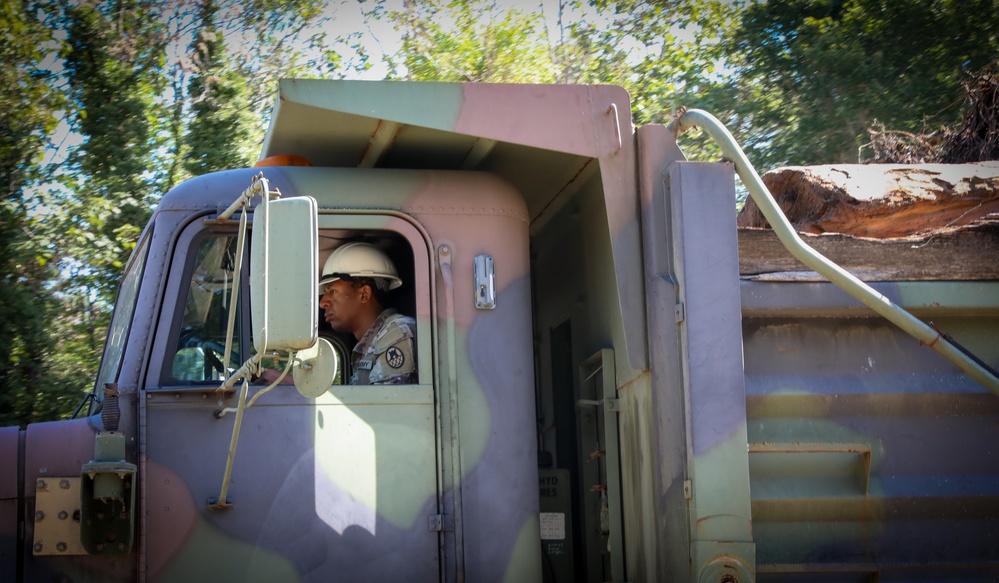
[(331, 122), (706, 260), (654, 423)]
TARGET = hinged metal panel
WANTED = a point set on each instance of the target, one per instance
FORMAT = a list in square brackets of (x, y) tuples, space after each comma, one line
[(440, 523)]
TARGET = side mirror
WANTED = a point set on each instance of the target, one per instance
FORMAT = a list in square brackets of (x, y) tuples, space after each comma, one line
[(315, 369), (284, 275)]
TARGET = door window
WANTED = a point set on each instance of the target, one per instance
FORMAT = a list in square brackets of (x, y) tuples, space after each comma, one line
[(200, 347)]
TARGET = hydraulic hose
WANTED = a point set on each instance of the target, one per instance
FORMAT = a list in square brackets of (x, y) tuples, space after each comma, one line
[(820, 263)]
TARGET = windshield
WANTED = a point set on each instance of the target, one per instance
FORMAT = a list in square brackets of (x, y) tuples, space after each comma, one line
[(121, 321)]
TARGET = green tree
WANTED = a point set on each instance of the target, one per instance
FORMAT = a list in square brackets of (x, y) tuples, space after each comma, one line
[(218, 136), (111, 65), (469, 41), (830, 68), (67, 223), (28, 102), (666, 54)]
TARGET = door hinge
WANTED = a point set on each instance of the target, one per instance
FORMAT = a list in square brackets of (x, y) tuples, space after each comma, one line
[(440, 523)]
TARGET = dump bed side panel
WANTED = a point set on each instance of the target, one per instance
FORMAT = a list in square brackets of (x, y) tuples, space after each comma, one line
[(869, 453)]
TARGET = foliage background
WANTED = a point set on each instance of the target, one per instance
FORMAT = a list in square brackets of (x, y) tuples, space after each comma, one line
[(106, 104)]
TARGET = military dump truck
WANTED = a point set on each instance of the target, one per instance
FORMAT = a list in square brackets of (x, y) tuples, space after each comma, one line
[(601, 395)]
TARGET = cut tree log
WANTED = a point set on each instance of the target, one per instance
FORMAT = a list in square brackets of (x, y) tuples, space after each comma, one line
[(883, 222)]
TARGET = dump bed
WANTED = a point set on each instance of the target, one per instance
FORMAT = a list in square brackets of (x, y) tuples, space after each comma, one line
[(870, 456)]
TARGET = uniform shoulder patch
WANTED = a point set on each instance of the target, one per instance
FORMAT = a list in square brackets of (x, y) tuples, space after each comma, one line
[(395, 357)]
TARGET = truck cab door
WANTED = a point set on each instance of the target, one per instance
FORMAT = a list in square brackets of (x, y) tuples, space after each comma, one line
[(341, 487)]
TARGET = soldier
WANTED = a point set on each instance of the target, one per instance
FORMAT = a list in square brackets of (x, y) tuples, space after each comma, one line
[(355, 281)]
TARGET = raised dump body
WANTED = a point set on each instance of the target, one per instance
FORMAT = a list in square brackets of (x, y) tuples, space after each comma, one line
[(601, 395)]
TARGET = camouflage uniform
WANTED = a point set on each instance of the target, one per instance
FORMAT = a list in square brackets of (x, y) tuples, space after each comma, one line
[(386, 354)]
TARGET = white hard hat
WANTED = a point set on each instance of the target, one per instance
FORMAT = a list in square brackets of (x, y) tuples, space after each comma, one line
[(360, 260)]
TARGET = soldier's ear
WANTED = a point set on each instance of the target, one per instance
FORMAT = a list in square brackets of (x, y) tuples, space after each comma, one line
[(364, 293)]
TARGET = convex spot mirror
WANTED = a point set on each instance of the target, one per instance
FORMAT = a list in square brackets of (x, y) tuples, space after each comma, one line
[(284, 274), (315, 368)]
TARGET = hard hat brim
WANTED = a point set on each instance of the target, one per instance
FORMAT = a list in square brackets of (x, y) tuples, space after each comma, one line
[(327, 279), (393, 281)]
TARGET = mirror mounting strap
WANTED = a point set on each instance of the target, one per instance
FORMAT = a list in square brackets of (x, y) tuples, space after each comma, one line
[(259, 185)]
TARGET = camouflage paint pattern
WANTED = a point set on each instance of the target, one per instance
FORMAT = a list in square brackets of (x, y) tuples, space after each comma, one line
[(901, 476), (360, 464), (767, 430)]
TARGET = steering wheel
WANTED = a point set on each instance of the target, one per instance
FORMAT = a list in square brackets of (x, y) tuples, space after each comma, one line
[(213, 351)]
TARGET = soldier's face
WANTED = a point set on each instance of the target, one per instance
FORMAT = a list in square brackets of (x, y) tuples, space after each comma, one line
[(341, 302)]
